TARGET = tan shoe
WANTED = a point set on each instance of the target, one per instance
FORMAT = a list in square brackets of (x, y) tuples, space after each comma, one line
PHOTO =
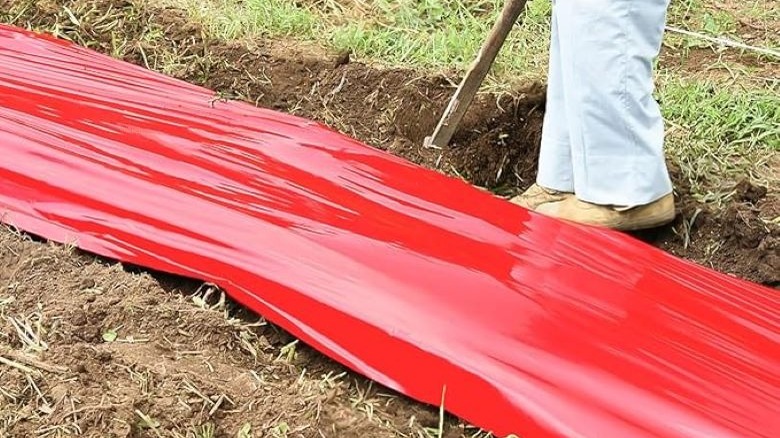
[(655, 214), (537, 195)]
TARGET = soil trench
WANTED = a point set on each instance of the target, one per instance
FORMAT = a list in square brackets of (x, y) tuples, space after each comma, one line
[(131, 355)]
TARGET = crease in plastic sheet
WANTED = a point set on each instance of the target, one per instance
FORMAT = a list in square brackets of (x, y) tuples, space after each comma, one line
[(414, 279)]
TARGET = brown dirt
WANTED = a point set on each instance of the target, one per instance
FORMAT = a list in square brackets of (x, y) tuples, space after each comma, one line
[(392, 109), (183, 351), (177, 364), (739, 239)]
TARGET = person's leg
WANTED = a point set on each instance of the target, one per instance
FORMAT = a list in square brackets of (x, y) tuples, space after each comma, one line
[(555, 179), (615, 126), (555, 162)]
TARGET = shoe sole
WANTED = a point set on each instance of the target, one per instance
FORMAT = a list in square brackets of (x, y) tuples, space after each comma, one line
[(649, 222)]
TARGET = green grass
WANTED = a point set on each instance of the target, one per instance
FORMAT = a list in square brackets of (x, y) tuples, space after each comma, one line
[(719, 132), (750, 19), (441, 34), (430, 34), (446, 34), (232, 19), (693, 14), (279, 17)]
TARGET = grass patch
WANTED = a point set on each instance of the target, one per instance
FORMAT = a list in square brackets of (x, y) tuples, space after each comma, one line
[(755, 20), (231, 19), (696, 15), (719, 132), (444, 34), (431, 34)]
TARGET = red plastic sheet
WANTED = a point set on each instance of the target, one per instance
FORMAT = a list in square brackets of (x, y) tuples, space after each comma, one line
[(533, 326)]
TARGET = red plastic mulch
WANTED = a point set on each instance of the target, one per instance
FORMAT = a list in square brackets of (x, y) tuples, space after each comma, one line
[(414, 279)]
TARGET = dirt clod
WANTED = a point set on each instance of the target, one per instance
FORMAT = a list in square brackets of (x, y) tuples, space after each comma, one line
[(343, 58), (747, 192)]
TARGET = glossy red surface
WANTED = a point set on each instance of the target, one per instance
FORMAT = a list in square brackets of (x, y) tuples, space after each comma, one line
[(416, 280)]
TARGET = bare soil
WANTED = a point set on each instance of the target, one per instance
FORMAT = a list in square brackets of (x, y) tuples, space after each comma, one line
[(179, 367), (91, 348)]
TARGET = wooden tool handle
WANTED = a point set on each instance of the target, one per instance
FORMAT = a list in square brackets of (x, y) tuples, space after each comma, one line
[(476, 74)]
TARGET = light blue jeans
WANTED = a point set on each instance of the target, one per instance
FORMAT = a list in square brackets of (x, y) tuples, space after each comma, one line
[(603, 131)]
